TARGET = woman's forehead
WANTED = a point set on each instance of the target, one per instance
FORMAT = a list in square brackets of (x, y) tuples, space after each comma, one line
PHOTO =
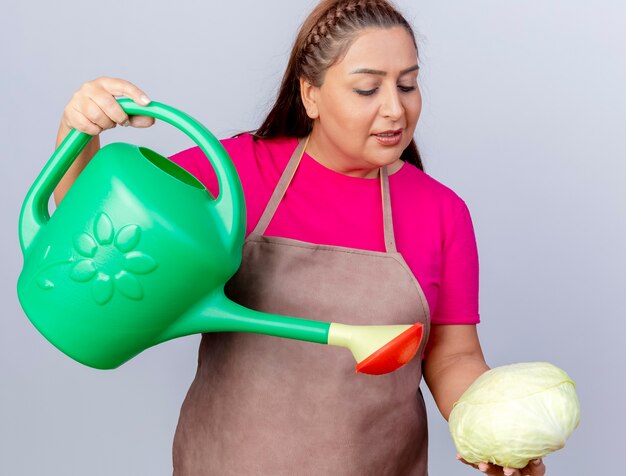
[(380, 50)]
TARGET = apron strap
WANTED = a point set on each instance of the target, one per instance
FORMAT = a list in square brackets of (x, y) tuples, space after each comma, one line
[(285, 180), (390, 240), (281, 187)]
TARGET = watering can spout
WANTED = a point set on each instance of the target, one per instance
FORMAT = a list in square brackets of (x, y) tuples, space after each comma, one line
[(216, 313), (377, 349)]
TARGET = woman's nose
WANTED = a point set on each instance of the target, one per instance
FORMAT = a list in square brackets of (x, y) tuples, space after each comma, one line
[(391, 106)]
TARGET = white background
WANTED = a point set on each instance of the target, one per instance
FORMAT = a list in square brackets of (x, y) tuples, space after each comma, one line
[(524, 112)]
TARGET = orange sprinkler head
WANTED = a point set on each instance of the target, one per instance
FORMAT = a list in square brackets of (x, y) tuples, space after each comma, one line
[(394, 354)]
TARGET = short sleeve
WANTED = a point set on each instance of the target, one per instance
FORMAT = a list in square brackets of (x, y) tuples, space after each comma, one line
[(457, 301)]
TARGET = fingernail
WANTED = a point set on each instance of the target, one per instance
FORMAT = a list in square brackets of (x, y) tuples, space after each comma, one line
[(508, 472), (483, 467), (537, 461), (144, 100)]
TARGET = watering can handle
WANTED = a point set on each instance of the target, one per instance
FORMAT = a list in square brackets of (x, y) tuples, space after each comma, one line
[(35, 214)]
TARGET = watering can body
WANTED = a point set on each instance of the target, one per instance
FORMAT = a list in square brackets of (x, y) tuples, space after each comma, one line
[(138, 252), (135, 244)]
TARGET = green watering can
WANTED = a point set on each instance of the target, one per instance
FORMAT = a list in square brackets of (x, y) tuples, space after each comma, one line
[(138, 252)]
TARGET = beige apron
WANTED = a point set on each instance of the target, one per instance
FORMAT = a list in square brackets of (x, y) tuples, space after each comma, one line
[(262, 405)]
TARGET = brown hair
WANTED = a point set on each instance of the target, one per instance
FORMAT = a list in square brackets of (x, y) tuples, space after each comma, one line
[(322, 41)]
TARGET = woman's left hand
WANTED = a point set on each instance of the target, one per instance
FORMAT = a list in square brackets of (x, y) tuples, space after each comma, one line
[(533, 468)]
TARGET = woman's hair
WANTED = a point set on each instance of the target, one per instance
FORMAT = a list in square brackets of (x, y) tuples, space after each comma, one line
[(323, 40)]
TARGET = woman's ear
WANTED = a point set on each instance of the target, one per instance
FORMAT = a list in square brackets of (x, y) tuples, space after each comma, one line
[(308, 93)]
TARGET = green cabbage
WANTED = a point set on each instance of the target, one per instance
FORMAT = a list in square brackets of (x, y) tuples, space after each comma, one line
[(515, 413)]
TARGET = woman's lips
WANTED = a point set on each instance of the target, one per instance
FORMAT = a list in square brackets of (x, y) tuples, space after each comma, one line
[(389, 138)]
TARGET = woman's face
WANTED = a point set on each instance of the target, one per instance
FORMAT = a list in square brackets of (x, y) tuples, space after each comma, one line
[(366, 110)]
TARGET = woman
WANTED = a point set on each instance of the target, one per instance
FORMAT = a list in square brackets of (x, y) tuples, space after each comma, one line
[(322, 244)]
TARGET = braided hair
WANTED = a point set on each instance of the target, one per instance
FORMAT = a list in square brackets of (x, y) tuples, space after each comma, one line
[(323, 40)]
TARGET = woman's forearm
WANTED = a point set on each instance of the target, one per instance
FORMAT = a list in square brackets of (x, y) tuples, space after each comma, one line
[(451, 381), (453, 361)]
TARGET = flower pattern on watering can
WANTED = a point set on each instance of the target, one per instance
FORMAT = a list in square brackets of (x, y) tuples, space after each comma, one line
[(108, 261)]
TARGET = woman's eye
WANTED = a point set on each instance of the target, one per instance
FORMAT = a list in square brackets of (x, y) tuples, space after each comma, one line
[(406, 89), (365, 92)]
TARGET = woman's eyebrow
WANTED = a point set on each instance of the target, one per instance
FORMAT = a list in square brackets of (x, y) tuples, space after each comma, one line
[(383, 73)]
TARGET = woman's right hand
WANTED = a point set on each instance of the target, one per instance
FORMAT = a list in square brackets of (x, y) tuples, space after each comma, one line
[(93, 107)]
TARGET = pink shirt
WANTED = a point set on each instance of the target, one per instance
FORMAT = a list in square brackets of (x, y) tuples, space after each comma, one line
[(432, 225)]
